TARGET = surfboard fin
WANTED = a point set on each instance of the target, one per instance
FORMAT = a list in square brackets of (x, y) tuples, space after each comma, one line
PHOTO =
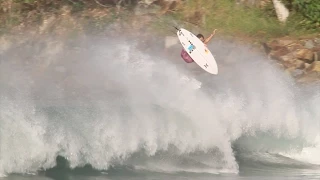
[(176, 28)]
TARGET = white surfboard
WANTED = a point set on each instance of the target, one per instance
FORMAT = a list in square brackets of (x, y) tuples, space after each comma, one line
[(197, 51)]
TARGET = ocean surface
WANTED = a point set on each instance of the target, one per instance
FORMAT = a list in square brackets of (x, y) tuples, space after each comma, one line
[(99, 108)]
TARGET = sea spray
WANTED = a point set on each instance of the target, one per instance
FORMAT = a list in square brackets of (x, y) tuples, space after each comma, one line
[(109, 102)]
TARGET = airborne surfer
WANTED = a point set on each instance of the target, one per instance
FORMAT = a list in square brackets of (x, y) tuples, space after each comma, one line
[(186, 57)]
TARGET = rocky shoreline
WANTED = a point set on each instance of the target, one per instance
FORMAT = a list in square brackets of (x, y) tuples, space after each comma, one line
[(298, 57)]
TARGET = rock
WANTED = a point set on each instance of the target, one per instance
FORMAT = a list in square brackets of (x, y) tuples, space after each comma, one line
[(314, 67), (316, 56), (297, 72), (168, 5), (273, 45), (156, 6), (289, 70), (296, 56), (316, 48), (279, 53), (305, 54), (279, 43), (294, 63), (286, 42), (266, 48), (298, 64), (309, 44), (287, 57), (307, 65), (282, 59), (294, 72), (309, 78), (294, 47)]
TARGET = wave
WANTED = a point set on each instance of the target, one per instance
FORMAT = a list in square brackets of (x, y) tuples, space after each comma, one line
[(120, 102)]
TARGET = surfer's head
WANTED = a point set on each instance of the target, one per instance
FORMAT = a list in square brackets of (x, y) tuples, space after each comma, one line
[(201, 37)]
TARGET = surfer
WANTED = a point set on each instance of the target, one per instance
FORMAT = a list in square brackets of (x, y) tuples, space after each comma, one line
[(186, 57)]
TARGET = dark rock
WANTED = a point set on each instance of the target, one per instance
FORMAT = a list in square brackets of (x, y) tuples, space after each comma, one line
[(282, 51)]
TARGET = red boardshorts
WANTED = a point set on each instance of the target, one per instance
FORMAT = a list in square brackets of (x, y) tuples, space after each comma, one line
[(186, 57)]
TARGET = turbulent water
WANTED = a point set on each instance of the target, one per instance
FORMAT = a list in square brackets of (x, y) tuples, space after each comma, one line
[(121, 108)]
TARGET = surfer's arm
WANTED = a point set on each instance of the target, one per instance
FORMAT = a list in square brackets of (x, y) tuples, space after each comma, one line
[(210, 37)]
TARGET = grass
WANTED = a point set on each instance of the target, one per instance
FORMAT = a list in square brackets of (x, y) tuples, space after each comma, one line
[(229, 18), (239, 21)]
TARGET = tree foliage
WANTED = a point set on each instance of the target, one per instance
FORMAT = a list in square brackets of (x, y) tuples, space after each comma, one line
[(309, 9)]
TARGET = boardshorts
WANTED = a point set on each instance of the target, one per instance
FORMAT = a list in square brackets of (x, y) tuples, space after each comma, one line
[(186, 57)]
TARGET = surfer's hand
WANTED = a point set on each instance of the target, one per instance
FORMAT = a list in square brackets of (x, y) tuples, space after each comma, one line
[(214, 32)]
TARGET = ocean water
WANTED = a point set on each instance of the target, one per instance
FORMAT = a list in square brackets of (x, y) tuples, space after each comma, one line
[(126, 108)]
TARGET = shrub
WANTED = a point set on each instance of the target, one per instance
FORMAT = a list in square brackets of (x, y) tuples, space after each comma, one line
[(309, 9)]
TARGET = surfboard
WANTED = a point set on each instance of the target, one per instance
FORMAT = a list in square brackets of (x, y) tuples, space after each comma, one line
[(197, 51)]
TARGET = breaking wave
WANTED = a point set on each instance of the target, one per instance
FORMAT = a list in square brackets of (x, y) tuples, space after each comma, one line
[(116, 101)]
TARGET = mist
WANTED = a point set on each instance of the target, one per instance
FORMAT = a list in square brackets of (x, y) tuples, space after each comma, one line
[(117, 100)]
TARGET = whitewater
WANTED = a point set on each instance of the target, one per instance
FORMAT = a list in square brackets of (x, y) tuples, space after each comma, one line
[(126, 107)]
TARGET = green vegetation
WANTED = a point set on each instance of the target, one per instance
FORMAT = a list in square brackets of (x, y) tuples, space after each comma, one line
[(307, 13), (232, 19), (15, 12), (252, 22), (31, 13)]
